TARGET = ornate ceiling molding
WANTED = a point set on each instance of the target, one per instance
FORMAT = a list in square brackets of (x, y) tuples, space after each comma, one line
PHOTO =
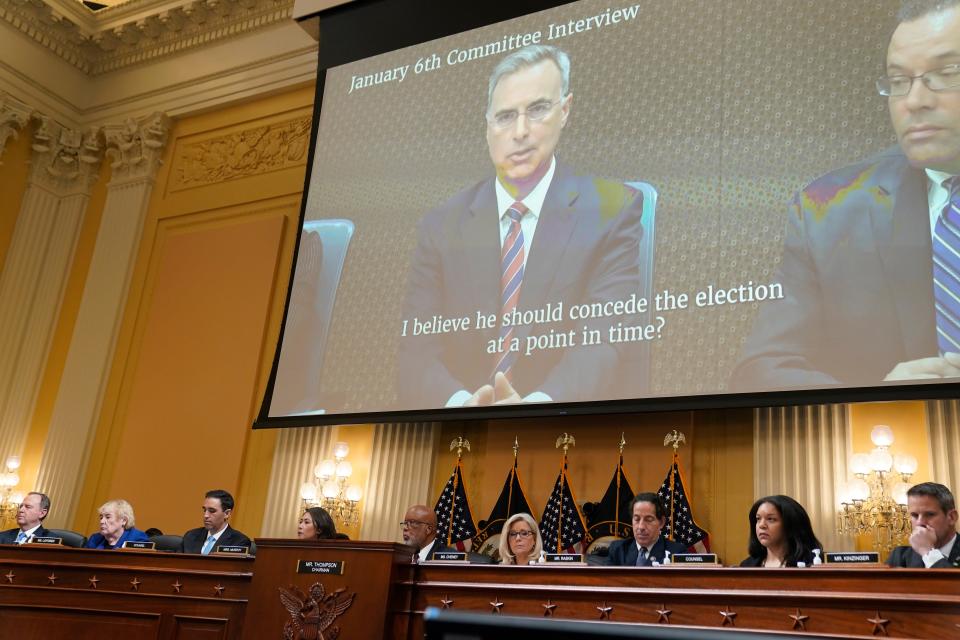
[(138, 31)]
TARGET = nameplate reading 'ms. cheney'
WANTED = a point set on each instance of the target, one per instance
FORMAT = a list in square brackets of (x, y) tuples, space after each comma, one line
[(853, 557), (564, 558), (450, 556), (694, 558), (328, 567), (45, 540)]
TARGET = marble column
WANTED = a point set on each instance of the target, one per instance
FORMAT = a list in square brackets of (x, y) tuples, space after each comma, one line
[(64, 166), (135, 148)]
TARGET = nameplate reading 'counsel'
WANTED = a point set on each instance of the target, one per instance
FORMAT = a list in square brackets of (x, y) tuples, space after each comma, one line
[(694, 558), (859, 557), (232, 550), (45, 540), (563, 558), (327, 567), (140, 545)]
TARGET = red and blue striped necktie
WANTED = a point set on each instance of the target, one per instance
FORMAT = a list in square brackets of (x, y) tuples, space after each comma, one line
[(946, 270), (511, 277)]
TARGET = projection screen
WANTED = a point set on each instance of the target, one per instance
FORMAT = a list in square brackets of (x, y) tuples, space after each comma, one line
[(708, 206)]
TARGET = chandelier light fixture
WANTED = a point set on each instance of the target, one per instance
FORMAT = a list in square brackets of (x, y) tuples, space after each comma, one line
[(875, 500), (331, 489), (9, 499)]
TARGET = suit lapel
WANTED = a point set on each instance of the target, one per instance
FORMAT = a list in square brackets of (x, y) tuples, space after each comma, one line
[(903, 240), (481, 242), (632, 553), (954, 558), (554, 228)]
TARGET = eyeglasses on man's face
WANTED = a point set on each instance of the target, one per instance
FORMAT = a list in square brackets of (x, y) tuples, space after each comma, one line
[(520, 534), (942, 79), (535, 112), (409, 524)]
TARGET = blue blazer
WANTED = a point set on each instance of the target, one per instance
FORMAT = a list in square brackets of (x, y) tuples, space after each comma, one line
[(585, 250), (97, 541), (857, 276)]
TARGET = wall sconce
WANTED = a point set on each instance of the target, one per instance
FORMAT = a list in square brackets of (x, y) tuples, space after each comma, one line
[(9, 500), (875, 501), (331, 490)]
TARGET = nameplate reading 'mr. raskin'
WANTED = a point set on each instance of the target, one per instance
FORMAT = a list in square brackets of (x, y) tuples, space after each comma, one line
[(694, 558), (45, 540), (853, 557), (328, 567), (565, 558)]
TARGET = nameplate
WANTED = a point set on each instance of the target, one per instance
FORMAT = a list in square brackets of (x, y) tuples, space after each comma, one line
[(853, 557), (327, 567), (694, 558), (563, 558), (450, 556), (140, 545), (45, 540), (232, 550)]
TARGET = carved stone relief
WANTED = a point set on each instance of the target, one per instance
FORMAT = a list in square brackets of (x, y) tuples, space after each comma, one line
[(241, 153)]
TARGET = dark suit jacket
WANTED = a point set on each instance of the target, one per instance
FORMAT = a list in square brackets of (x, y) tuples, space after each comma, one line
[(10, 535), (193, 540), (623, 553), (857, 279), (905, 556), (585, 250)]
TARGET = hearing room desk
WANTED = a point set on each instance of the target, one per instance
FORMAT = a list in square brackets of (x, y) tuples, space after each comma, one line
[(52, 593)]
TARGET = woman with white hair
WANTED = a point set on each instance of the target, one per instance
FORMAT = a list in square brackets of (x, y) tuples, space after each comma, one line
[(520, 541), (116, 526)]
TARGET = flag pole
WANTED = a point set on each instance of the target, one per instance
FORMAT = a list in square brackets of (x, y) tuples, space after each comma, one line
[(513, 475), (460, 443), (566, 441), (673, 439), (616, 511)]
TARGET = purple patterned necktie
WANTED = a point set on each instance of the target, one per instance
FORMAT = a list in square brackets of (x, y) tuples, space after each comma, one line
[(946, 270)]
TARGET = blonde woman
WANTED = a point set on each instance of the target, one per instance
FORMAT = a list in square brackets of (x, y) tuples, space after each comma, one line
[(116, 526), (520, 541)]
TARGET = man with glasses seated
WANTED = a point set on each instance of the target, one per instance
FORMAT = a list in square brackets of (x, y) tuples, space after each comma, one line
[(871, 264), (30, 515), (419, 529), (533, 234)]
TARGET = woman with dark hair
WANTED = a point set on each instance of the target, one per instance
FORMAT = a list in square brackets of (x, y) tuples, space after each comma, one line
[(780, 534), (316, 524)]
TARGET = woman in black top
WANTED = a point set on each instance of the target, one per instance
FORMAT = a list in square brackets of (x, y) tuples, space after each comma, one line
[(780, 534)]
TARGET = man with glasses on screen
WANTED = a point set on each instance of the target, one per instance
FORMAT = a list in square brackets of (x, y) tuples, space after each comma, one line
[(533, 238), (871, 265)]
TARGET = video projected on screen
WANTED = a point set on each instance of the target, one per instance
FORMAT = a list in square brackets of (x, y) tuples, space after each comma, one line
[(621, 201)]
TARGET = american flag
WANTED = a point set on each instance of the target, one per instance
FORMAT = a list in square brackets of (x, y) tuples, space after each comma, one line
[(681, 526), (455, 526), (562, 526)]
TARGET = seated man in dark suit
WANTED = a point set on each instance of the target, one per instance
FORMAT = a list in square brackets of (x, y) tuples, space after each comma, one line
[(419, 529), (646, 545), (933, 543), (216, 531), (30, 515), (535, 233)]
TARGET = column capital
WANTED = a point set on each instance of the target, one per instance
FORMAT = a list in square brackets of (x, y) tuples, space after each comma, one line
[(14, 115), (64, 160), (136, 146)]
